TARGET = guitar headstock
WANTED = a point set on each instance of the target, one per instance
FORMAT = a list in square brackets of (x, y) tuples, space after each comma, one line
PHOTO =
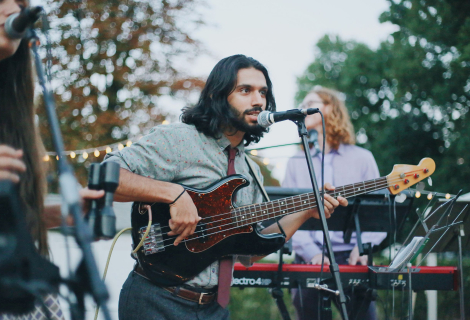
[(404, 176)]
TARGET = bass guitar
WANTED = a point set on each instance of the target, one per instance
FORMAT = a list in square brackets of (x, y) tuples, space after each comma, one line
[(226, 230)]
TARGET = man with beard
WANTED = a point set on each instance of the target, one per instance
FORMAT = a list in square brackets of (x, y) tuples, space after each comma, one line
[(206, 147)]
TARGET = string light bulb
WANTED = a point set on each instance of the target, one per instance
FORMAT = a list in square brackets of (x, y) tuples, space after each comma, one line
[(108, 150), (57, 157), (46, 157), (85, 155), (96, 153), (72, 155), (417, 194), (254, 152), (129, 143), (429, 196), (448, 196), (120, 146), (266, 161), (165, 122)]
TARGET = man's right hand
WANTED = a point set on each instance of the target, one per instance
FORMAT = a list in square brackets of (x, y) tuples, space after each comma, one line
[(317, 260), (11, 164), (184, 217)]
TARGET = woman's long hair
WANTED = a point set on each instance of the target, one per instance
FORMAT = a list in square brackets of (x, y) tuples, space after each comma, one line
[(339, 128), (213, 113), (18, 130)]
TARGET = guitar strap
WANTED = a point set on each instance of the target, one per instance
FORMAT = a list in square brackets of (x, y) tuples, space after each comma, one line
[(263, 191), (258, 182)]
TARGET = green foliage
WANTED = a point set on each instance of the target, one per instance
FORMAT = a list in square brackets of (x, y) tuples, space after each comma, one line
[(257, 304), (408, 99)]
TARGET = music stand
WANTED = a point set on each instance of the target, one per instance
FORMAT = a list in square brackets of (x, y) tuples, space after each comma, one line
[(450, 239)]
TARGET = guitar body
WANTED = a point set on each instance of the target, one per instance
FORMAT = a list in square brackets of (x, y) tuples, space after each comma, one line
[(217, 235)]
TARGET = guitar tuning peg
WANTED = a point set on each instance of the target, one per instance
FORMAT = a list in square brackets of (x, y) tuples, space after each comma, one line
[(420, 186), (430, 181), (400, 198)]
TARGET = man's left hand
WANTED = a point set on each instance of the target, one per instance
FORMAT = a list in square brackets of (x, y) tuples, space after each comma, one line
[(354, 258), (330, 203)]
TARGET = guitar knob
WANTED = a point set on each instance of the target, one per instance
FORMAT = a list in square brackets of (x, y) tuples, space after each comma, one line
[(426, 170), (396, 187), (416, 176), (406, 181)]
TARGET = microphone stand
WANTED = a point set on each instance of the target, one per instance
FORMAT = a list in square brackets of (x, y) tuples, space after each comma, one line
[(87, 278), (300, 121)]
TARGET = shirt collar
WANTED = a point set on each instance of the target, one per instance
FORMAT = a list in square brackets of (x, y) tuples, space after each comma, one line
[(223, 143), (340, 149)]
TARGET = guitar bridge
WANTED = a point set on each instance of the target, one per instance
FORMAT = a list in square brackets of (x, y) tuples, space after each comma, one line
[(154, 241)]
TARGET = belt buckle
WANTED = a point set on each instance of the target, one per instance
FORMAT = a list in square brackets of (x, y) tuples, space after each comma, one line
[(201, 296)]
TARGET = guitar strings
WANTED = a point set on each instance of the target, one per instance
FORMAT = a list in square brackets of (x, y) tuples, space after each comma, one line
[(345, 189), (345, 192), (228, 224), (300, 207), (308, 206), (296, 202), (240, 211)]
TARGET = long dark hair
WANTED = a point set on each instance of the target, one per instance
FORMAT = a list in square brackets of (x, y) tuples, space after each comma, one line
[(18, 130), (212, 113)]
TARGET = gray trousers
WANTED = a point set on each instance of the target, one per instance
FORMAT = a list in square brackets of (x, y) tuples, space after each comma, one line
[(141, 299)]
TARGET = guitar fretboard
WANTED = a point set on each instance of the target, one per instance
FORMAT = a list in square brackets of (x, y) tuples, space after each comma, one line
[(268, 210)]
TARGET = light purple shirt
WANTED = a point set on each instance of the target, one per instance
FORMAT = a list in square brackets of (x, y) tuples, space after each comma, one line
[(349, 164)]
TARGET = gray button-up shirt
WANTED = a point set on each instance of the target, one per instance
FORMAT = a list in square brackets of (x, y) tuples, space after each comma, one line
[(179, 153)]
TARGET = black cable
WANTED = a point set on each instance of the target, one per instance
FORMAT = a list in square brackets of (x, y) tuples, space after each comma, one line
[(299, 290), (390, 248), (322, 199), (394, 221)]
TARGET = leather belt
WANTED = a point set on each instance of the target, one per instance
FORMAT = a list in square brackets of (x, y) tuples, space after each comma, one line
[(184, 293)]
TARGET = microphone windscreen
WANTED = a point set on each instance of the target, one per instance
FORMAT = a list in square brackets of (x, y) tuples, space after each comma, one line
[(263, 119)]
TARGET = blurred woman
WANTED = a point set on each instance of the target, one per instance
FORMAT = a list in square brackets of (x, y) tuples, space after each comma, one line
[(21, 148), (345, 163)]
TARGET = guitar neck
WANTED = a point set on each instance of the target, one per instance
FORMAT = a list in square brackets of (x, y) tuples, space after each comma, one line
[(268, 210)]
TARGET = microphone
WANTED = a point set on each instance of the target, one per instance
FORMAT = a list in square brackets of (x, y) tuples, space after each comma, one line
[(313, 139), (17, 23), (267, 118)]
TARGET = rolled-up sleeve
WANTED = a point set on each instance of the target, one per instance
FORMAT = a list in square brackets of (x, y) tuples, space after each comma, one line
[(153, 156)]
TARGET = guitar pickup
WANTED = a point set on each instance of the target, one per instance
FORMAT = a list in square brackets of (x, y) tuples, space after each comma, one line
[(201, 232), (154, 241)]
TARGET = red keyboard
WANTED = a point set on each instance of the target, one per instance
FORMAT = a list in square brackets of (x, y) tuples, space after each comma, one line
[(305, 276)]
